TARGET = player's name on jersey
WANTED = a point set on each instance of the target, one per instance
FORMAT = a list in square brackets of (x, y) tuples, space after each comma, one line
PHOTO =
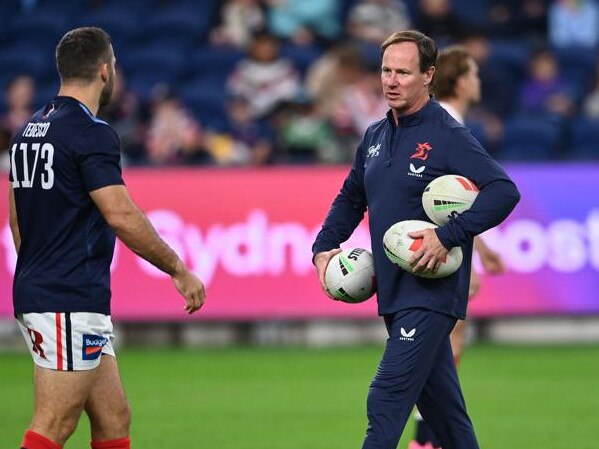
[(36, 129)]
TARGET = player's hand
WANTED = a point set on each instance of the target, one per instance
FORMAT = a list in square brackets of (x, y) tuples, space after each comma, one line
[(492, 261), (191, 288), (474, 286), (321, 261), (428, 257)]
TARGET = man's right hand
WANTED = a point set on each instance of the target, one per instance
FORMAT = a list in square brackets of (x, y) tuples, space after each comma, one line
[(190, 287), (321, 261)]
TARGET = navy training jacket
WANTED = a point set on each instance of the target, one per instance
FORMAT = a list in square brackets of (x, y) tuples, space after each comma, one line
[(392, 167)]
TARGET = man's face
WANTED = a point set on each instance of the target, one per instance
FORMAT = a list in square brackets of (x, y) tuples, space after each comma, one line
[(471, 82), (106, 94), (404, 86)]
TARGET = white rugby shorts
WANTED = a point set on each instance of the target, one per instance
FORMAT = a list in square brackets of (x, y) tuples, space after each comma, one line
[(71, 341)]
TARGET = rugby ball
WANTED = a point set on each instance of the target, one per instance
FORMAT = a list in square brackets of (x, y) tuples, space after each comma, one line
[(447, 196), (399, 247), (350, 276)]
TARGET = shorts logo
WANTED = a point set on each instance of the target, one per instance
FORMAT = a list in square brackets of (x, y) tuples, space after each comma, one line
[(409, 336), (92, 346), (37, 339)]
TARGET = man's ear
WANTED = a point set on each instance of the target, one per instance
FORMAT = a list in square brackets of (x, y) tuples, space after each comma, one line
[(428, 75), (104, 75)]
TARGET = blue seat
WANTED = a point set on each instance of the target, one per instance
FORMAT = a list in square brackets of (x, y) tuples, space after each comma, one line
[(301, 56), (121, 22), (577, 67), (142, 83), (217, 61), (584, 142), (24, 59), (186, 18), (472, 12), (512, 54), (167, 57), (531, 138), (41, 25), (207, 102)]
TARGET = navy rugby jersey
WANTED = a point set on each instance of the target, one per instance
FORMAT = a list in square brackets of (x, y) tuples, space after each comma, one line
[(392, 167), (63, 153)]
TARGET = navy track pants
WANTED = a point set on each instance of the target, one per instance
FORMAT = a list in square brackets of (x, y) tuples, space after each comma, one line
[(418, 368)]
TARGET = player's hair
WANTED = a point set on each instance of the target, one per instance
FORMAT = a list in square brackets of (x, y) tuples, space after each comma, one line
[(452, 63), (427, 49), (80, 53)]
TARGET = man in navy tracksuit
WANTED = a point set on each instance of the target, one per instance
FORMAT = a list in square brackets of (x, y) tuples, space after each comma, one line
[(417, 142)]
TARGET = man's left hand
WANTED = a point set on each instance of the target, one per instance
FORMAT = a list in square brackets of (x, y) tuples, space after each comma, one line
[(428, 257)]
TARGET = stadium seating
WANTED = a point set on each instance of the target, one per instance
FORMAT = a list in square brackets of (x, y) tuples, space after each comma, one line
[(584, 141), (531, 138)]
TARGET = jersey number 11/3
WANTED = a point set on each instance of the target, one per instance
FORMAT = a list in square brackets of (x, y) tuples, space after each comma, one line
[(45, 152)]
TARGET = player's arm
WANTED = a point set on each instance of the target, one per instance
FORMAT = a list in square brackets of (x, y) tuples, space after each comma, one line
[(135, 230), (14, 224), (491, 260)]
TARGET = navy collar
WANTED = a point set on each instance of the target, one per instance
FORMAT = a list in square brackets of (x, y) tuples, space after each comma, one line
[(417, 117), (72, 101)]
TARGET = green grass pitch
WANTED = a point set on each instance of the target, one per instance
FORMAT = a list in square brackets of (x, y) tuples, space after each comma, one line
[(247, 398)]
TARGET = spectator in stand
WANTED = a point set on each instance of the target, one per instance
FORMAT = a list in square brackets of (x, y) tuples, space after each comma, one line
[(372, 21), (247, 141), (348, 94), (123, 113), (19, 95), (174, 137), (545, 92), (437, 19), (591, 102), (237, 21), (574, 23), (264, 78), (302, 135), (304, 22)]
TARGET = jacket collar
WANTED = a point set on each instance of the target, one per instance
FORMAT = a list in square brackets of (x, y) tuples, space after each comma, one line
[(417, 117)]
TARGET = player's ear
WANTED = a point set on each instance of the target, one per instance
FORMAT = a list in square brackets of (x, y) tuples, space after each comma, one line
[(104, 72)]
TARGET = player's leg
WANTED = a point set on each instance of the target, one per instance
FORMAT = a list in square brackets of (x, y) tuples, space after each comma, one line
[(442, 404), (108, 409), (410, 353), (59, 391), (66, 349), (59, 400)]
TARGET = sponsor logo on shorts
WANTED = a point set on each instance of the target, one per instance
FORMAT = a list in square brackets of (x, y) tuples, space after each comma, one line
[(408, 336), (92, 346)]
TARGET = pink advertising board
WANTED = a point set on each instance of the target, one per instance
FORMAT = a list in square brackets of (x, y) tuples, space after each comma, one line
[(248, 233)]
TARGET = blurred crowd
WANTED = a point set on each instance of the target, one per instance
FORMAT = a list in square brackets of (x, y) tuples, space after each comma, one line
[(297, 81)]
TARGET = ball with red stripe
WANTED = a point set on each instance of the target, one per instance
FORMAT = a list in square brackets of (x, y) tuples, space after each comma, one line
[(448, 196), (399, 248)]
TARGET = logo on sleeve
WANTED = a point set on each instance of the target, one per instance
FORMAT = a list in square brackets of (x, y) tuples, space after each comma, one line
[(422, 150), (92, 346)]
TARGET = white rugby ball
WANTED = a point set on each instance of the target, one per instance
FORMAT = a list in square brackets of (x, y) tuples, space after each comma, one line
[(399, 247), (350, 275), (447, 196)]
